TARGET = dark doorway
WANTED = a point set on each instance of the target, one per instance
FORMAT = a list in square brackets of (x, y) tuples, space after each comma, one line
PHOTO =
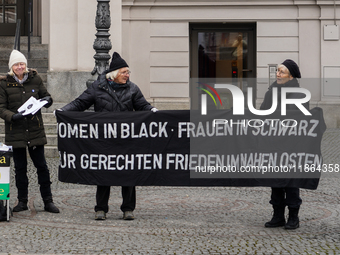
[(10, 11), (223, 51)]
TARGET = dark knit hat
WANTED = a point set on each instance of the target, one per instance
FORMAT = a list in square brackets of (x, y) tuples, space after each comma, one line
[(292, 67), (117, 62)]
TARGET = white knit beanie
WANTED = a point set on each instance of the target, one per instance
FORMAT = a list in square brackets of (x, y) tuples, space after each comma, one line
[(16, 57)]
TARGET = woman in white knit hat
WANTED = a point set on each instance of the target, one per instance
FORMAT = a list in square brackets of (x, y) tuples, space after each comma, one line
[(23, 131)]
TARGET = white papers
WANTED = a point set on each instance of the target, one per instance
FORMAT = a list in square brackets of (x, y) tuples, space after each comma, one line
[(4, 175), (31, 106), (4, 147)]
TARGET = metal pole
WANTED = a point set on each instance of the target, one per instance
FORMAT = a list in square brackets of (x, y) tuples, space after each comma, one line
[(29, 29), (102, 43), (17, 35)]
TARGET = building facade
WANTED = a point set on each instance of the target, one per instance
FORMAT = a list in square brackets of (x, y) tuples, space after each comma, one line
[(168, 42)]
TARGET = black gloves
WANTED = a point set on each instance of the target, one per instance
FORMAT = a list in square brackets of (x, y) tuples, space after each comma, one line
[(17, 116), (48, 99)]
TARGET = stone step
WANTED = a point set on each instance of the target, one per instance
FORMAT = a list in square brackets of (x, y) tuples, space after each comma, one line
[(49, 117), (39, 51), (31, 63), (43, 77), (23, 47), (23, 39), (51, 152), (52, 140), (37, 59), (50, 128), (54, 106)]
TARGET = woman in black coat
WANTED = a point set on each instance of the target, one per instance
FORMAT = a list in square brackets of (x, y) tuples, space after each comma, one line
[(286, 75), (113, 91), (25, 131)]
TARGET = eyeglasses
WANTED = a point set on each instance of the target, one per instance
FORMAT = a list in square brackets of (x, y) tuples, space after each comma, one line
[(126, 73), (280, 72)]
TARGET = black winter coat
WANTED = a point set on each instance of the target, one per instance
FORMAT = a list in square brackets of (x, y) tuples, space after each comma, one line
[(30, 130), (127, 97), (267, 101), (266, 104)]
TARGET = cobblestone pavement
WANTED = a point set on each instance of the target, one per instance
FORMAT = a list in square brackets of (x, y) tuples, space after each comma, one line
[(177, 220)]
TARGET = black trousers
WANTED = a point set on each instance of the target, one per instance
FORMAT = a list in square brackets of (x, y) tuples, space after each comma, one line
[(103, 195), (286, 197), (37, 155)]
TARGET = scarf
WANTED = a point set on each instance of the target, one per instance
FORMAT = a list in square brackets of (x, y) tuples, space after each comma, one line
[(23, 79), (113, 84)]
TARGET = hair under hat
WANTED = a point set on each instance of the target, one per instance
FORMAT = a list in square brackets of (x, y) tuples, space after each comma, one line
[(292, 67), (16, 57), (117, 62)]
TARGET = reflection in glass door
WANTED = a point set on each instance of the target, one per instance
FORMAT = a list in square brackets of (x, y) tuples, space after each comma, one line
[(10, 11), (224, 51)]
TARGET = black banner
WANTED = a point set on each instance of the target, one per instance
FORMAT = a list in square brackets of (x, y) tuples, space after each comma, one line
[(184, 148)]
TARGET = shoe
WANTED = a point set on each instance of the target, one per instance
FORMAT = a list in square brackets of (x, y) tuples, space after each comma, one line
[(128, 215), (293, 219), (21, 206), (278, 219), (50, 207), (100, 215)]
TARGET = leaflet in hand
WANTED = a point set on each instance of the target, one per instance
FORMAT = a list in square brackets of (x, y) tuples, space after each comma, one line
[(4, 147), (31, 106)]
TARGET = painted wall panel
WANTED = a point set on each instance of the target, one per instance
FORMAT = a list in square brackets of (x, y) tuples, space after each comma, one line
[(63, 35), (169, 29), (262, 72), (331, 87), (224, 12), (169, 90), (309, 48), (265, 58), (169, 59), (277, 44), (277, 28), (168, 43), (139, 55), (166, 74)]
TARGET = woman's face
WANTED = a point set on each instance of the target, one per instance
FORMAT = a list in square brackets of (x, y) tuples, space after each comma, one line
[(123, 75), (19, 69), (282, 75)]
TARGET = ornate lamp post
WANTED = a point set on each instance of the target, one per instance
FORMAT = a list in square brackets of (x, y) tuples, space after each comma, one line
[(102, 43)]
